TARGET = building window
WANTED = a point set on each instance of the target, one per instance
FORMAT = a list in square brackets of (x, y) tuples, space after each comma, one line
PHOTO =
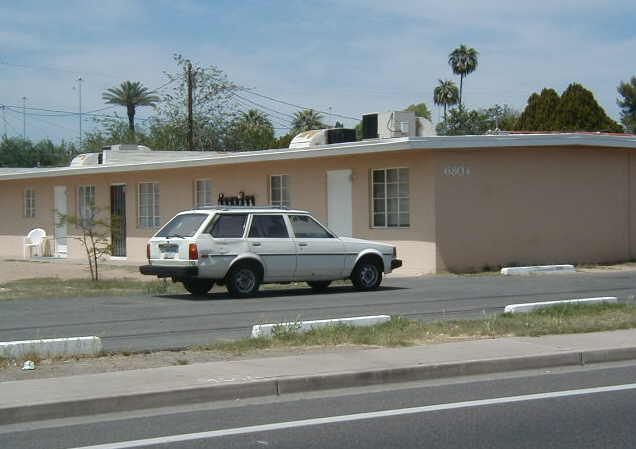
[(148, 204), (279, 190), (203, 192), (29, 203), (85, 201), (391, 204)]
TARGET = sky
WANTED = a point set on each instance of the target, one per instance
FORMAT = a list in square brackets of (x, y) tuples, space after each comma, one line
[(345, 58)]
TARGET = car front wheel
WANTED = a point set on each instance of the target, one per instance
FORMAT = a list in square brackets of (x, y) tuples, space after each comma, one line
[(243, 281), (366, 275)]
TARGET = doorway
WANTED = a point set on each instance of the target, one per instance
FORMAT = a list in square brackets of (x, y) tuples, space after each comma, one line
[(118, 220), (59, 208), (340, 202)]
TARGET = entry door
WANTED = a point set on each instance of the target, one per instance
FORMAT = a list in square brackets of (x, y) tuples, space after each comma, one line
[(59, 206), (118, 219), (340, 202)]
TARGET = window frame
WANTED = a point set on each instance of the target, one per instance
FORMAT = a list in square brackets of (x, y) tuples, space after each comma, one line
[(85, 197), (206, 191), (284, 189), (397, 203), (149, 219), (28, 203)]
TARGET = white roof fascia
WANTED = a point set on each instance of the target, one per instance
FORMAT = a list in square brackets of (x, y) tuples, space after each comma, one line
[(343, 149)]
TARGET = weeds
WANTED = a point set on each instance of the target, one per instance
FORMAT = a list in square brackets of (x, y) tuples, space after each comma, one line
[(49, 288)]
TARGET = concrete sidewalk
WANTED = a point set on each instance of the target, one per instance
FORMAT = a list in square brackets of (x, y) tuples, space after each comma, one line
[(29, 400)]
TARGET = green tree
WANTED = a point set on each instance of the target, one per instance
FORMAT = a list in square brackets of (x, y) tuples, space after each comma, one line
[(540, 113), (253, 130), (463, 61), (575, 110), (130, 95), (15, 152), (445, 94), (462, 121), (113, 131), (578, 110), (628, 104), (306, 120), (502, 117), (421, 110), (214, 110)]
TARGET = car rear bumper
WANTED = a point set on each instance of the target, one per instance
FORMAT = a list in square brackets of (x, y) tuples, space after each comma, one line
[(169, 272), (396, 263)]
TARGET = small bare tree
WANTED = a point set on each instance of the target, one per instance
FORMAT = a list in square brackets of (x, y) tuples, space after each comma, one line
[(95, 234)]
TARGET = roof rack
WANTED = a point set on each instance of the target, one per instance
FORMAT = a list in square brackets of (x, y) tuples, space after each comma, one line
[(223, 207)]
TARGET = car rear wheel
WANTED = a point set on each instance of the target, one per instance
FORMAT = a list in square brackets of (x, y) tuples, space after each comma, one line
[(319, 286), (198, 286), (243, 280), (366, 275)]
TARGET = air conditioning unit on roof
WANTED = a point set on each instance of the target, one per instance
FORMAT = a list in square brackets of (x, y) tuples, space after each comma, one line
[(392, 124)]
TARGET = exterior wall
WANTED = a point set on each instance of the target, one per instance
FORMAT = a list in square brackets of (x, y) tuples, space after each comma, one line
[(533, 206), (469, 208), (176, 192)]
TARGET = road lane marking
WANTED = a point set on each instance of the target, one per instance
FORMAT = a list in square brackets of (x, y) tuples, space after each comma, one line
[(354, 417)]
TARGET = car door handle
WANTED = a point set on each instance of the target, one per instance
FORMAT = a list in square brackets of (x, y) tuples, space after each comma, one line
[(302, 244), (256, 243)]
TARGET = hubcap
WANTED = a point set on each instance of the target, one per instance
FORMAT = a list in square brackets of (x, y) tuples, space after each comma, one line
[(245, 280), (369, 274)]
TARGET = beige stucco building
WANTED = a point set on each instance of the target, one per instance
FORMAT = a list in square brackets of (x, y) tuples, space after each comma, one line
[(448, 203)]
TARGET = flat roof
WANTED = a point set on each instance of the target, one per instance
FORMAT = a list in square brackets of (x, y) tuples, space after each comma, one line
[(125, 161)]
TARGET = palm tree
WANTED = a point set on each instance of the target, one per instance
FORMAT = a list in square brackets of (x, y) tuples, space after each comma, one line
[(254, 118), (130, 95), (306, 120), (254, 130), (463, 60), (445, 94)]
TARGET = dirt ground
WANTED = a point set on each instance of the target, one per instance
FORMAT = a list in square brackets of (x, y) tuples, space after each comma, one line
[(16, 269)]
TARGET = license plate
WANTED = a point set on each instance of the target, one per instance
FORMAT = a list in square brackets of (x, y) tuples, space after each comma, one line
[(169, 251)]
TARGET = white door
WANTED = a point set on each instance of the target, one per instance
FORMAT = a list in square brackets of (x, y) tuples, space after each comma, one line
[(340, 202), (59, 204)]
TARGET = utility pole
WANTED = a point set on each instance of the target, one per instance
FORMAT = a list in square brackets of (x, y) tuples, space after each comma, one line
[(79, 80), (190, 120), (24, 120), (4, 119)]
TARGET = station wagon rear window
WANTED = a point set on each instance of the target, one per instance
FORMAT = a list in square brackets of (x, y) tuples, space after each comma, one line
[(185, 225)]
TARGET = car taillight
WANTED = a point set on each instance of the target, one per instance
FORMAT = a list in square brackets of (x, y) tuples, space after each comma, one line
[(193, 252), (148, 252), (394, 251)]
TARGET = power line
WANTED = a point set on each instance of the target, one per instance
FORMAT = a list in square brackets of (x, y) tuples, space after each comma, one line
[(298, 106)]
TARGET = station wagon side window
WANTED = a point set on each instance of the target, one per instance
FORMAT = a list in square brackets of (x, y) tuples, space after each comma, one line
[(228, 226), (306, 227), (268, 226)]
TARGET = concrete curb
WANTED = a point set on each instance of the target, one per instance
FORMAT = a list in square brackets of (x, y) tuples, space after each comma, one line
[(51, 346), (545, 269), (530, 306), (266, 330), (299, 384)]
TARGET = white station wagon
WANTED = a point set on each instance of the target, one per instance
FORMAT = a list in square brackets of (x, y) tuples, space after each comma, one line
[(242, 247)]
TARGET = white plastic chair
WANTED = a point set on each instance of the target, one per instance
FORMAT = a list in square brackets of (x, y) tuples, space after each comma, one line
[(34, 239)]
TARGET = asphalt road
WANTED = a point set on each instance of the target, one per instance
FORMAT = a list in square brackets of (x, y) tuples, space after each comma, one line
[(591, 407), (154, 322)]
